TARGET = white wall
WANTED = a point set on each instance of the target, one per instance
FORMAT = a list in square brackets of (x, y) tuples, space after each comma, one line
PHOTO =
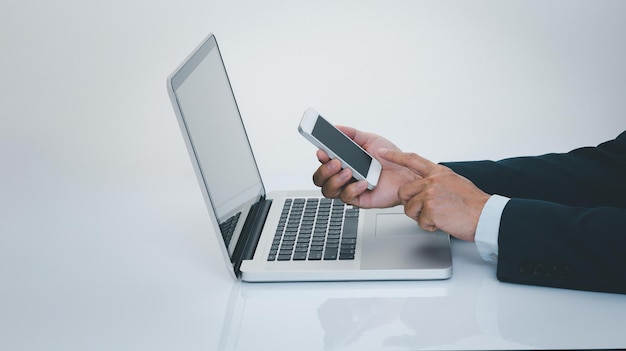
[(451, 80)]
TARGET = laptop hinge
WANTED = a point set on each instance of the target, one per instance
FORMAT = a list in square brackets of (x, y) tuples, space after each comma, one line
[(251, 231)]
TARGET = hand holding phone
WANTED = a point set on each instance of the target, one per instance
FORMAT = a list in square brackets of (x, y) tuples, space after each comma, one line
[(339, 146)]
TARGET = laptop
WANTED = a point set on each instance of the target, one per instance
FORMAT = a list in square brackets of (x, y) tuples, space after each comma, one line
[(286, 235)]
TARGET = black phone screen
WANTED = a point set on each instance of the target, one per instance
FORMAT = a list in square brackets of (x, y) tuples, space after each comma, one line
[(342, 146)]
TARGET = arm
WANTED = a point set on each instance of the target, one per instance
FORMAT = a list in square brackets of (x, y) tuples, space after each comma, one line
[(538, 239), (591, 176), (543, 243), (572, 233)]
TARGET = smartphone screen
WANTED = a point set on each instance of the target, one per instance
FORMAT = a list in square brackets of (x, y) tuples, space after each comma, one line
[(342, 146)]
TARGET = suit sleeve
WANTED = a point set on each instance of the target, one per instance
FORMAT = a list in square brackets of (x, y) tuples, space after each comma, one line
[(565, 225)]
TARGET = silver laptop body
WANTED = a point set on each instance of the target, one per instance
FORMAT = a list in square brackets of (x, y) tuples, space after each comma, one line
[(388, 245)]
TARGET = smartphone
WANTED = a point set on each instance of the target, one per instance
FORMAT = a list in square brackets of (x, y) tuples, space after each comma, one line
[(338, 145)]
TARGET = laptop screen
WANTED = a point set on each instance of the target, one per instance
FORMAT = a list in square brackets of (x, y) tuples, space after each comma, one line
[(216, 133)]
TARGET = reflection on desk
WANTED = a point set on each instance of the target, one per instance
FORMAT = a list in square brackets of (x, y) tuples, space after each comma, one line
[(470, 311)]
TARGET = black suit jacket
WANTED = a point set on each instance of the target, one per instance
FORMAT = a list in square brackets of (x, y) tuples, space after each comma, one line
[(565, 225)]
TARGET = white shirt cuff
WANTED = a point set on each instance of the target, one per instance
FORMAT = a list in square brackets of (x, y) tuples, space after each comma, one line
[(489, 226)]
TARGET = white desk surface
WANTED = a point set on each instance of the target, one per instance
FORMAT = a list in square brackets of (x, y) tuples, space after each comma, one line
[(105, 242)]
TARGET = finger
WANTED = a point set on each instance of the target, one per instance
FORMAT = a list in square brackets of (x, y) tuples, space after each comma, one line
[(322, 156), (408, 191), (352, 192), (418, 211), (416, 207), (413, 208), (333, 187), (425, 221), (410, 160), (326, 171)]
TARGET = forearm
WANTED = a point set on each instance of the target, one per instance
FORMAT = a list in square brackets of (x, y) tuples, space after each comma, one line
[(543, 243), (591, 176)]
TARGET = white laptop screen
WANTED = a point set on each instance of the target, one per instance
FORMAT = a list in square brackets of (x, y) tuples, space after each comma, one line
[(216, 132)]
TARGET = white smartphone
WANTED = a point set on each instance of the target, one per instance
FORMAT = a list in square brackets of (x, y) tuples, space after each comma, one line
[(338, 145)]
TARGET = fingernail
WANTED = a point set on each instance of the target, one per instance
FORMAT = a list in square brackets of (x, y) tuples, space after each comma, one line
[(362, 185), (345, 174), (333, 166)]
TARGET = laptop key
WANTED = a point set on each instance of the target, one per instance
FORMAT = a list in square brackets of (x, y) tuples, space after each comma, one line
[(350, 228), (330, 255), (346, 256), (299, 256), (315, 255)]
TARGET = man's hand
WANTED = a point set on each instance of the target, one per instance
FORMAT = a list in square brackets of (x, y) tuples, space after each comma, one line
[(337, 183), (438, 198)]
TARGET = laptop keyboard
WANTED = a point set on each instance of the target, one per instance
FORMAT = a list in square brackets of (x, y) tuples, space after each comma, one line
[(315, 229), (228, 228)]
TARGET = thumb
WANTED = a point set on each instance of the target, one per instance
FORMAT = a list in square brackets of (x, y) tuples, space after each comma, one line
[(410, 160)]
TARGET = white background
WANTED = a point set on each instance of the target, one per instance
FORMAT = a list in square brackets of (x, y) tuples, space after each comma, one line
[(103, 232)]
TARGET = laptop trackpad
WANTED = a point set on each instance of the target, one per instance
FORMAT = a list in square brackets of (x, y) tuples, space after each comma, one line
[(394, 225), (399, 243)]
